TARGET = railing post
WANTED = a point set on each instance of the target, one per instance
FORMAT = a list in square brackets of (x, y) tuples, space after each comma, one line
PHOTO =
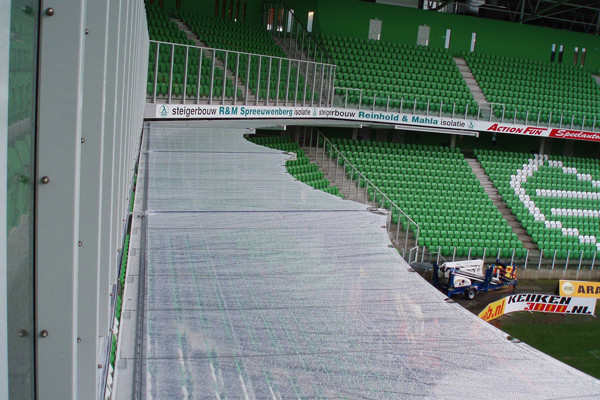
[(593, 261), (454, 254), (322, 83), (236, 79), (484, 251), (248, 78), (469, 255), (278, 83), (155, 72), (512, 258), (540, 261), (553, 260), (224, 78), (269, 80), (297, 82), (526, 258), (406, 237), (171, 74), (199, 82), (185, 70), (568, 256), (397, 225), (212, 77), (257, 91), (580, 260), (287, 86), (305, 84)]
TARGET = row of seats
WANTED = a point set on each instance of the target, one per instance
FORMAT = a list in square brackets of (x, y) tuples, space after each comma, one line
[(437, 189), (182, 62), (381, 70), (557, 199), (230, 35), (554, 91)]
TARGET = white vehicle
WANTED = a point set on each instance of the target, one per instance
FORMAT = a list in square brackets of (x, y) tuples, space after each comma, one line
[(470, 276)]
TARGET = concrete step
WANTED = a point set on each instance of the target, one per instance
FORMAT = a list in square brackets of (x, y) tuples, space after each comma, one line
[(218, 63), (496, 198), (352, 192), (472, 84)]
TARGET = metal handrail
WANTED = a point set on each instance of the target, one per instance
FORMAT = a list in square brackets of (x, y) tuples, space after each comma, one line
[(506, 116), (375, 188), (325, 72)]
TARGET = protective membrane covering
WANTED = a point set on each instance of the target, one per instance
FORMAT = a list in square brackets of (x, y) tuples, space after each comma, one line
[(258, 286)]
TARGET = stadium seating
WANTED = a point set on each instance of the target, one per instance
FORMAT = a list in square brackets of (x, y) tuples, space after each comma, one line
[(528, 87), (557, 199), (436, 187), (418, 76), (301, 168), (161, 28)]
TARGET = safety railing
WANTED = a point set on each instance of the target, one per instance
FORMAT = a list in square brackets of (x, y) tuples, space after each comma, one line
[(320, 146), (185, 74), (366, 99), (282, 23), (529, 260)]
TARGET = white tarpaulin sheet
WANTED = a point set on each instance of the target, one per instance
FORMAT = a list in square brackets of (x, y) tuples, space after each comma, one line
[(258, 286)]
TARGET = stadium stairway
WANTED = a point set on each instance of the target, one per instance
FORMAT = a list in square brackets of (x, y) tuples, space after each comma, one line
[(208, 54), (336, 175), (473, 86), (507, 214), (290, 48)]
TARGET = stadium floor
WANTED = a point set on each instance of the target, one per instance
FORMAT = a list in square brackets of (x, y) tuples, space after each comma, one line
[(255, 285)]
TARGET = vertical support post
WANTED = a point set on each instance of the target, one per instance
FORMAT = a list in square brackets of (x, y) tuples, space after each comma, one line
[(297, 82), (568, 257), (224, 78), (212, 77), (185, 70), (155, 72), (322, 82), (553, 260), (235, 83), (171, 74), (199, 80), (269, 80), (258, 81), (287, 85), (278, 82), (248, 78), (526, 259)]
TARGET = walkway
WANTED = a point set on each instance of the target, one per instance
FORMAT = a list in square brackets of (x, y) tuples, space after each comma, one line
[(257, 286)]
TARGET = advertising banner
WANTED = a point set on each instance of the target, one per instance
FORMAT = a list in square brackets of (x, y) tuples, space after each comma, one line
[(493, 310), (203, 111), (545, 303), (579, 289), (440, 124)]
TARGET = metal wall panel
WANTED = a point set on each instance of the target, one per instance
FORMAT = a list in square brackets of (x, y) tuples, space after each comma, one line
[(4, 51)]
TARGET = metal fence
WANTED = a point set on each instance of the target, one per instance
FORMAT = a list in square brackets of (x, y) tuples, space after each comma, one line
[(532, 259), (408, 245), (185, 74), (320, 146), (365, 99)]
